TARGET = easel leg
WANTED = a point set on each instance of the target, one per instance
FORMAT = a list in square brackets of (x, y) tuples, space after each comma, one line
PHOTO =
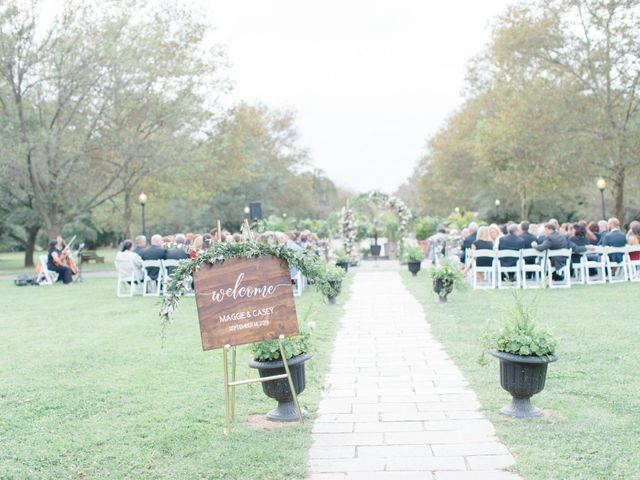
[(227, 431), (286, 367), (233, 379)]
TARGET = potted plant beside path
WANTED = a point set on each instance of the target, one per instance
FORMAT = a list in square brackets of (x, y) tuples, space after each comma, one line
[(445, 277), (414, 257), (332, 283), (268, 361), (342, 259), (375, 248), (524, 350)]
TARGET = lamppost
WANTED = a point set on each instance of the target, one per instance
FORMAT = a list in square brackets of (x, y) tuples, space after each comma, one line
[(497, 204), (142, 200), (602, 184), (246, 211)]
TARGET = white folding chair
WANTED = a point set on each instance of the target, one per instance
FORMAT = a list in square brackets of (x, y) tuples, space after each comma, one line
[(128, 282), (565, 271), (578, 272), (298, 286), (45, 276), (633, 266), (168, 266), (148, 281), (488, 273), (617, 271), (594, 260), (534, 270), (516, 269)]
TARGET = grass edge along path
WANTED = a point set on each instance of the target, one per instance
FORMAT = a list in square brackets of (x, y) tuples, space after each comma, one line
[(87, 392), (591, 395)]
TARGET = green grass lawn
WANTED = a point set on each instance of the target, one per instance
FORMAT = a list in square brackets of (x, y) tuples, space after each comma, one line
[(13, 263), (86, 391), (592, 392)]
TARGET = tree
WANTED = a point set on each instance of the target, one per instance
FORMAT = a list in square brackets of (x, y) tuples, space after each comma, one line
[(593, 44), (91, 103)]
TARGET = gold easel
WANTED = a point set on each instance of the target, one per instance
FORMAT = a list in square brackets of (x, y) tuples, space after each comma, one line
[(230, 386)]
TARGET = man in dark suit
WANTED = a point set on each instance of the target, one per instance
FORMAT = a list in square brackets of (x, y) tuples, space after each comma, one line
[(468, 240), (557, 241), (141, 244), (510, 242), (525, 235), (155, 251), (177, 252), (614, 238)]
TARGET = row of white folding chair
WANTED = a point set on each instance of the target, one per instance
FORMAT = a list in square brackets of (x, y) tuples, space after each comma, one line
[(599, 260), (543, 267)]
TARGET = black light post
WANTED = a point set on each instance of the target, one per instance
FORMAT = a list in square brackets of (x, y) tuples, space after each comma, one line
[(142, 200), (602, 184), (497, 203)]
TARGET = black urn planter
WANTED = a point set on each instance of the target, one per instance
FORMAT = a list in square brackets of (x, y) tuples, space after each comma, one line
[(443, 287), (375, 250), (343, 265), (523, 377), (336, 285), (279, 389), (414, 267)]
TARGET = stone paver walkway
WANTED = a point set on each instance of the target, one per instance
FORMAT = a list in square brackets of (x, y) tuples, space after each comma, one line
[(396, 406)]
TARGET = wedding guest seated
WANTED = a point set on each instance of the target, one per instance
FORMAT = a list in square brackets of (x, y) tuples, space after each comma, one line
[(594, 233), (614, 238), (556, 241), (633, 238), (494, 233), (483, 242), (579, 238), (525, 235), (177, 252), (196, 246), (603, 229), (468, 240), (131, 262), (56, 261), (510, 241), (141, 244), (155, 251), (207, 240)]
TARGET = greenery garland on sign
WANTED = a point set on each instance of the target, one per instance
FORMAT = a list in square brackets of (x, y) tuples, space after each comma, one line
[(394, 203), (305, 260)]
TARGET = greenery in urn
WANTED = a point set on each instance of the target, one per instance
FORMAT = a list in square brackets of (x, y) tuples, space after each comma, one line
[(413, 254), (269, 350), (331, 284), (446, 277), (520, 333), (340, 256)]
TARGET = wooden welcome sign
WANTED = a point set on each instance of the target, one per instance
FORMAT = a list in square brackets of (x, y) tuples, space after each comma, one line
[(244, 301)]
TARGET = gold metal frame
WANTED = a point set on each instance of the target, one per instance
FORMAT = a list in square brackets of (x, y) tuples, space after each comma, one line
[(230, 386)]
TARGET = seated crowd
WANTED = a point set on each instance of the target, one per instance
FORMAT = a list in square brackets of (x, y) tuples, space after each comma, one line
[(183, 246), (579, 237)]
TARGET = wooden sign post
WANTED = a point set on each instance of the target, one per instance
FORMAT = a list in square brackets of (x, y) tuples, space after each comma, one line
[(244, 301)]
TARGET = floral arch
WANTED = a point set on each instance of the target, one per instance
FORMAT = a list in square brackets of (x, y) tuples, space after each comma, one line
[(382, 200)]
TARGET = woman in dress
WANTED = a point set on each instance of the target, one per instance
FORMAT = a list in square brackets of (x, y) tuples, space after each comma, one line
[(127, 259), (494, 234), (633, 238)]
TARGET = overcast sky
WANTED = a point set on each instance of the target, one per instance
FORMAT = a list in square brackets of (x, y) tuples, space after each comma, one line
[(370, 80)]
